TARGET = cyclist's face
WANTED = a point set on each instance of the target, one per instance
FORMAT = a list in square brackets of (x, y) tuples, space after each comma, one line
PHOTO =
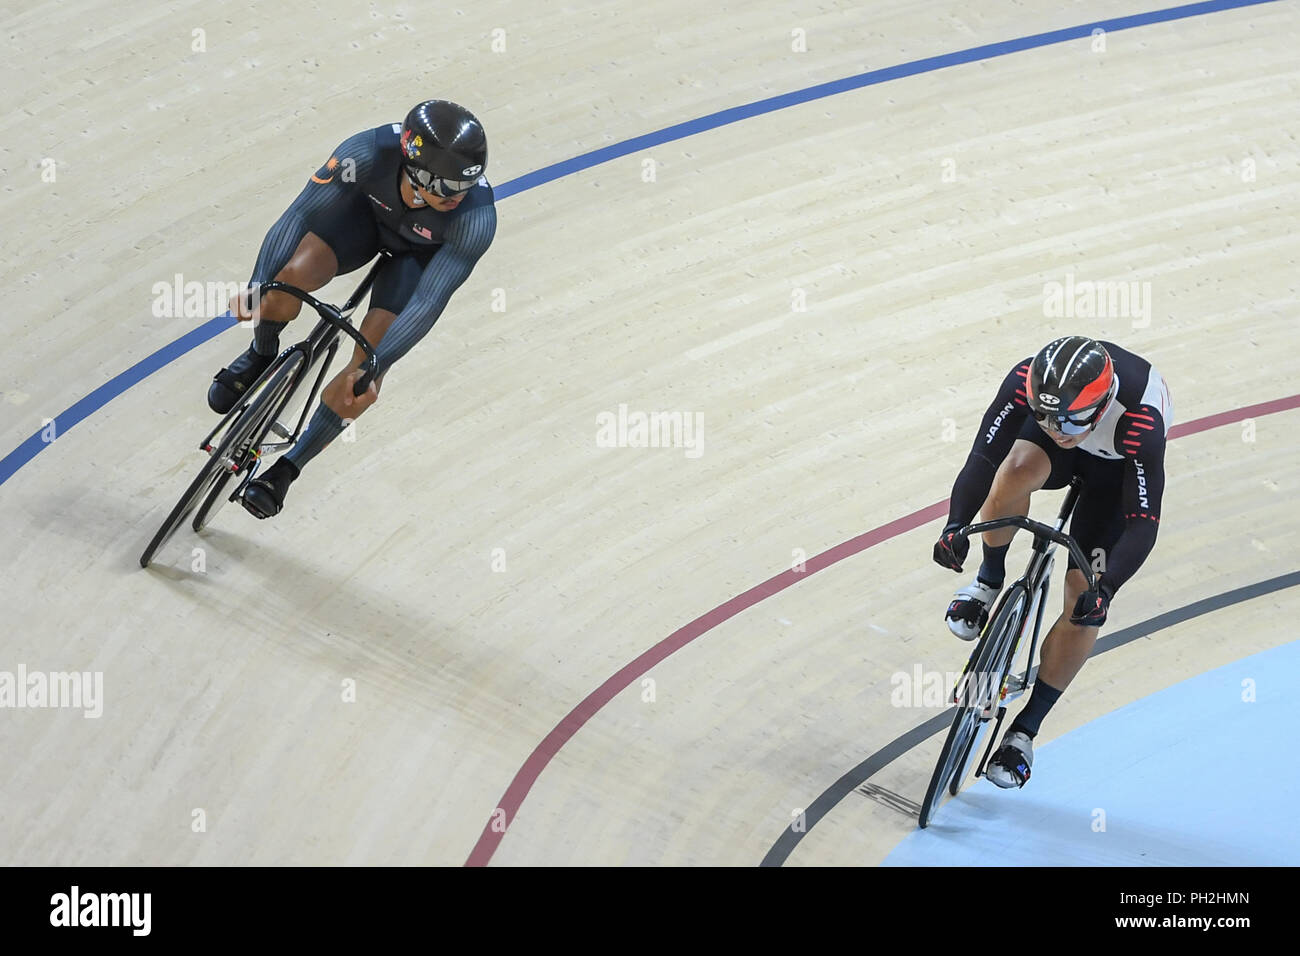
[(439, 203), (431, 199), (1062, 440)]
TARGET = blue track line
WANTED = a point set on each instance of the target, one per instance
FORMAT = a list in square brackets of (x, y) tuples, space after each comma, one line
[(785, 100), (114, 387), (101, 396)]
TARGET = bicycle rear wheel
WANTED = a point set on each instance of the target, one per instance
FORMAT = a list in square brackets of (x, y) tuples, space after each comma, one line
[(262, 411), (969, 720)]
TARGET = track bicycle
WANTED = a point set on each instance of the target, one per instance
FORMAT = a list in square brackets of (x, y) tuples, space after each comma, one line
[(239, 442), (990, 681)]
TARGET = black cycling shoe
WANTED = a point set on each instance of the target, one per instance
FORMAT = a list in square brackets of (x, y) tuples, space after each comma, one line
[(231, 382), (264, 496)]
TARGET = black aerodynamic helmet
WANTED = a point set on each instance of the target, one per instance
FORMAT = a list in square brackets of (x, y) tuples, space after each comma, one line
[(445, 147), (1070, 384)]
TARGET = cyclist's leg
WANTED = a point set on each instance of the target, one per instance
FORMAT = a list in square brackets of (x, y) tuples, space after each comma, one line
[(352, 238), (1096, 526), (1010, 764), (313, 264), (1028, 467), (339, 239), (394, 285), (1067, 645), (1034, 462), (1065, 649)]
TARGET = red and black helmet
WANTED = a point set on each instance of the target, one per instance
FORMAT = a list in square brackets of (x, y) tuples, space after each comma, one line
[(1070, 384)]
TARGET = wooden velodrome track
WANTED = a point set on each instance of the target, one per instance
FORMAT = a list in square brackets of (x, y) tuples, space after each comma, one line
[(835, 286)]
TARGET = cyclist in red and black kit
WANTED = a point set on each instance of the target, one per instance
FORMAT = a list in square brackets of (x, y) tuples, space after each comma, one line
[(1078, 407)]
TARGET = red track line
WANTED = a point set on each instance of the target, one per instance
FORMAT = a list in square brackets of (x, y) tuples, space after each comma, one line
[(527, 775), (1237, 415)]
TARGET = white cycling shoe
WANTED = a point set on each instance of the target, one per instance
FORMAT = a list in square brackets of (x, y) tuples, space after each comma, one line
[(1009, 766), (969, 610)]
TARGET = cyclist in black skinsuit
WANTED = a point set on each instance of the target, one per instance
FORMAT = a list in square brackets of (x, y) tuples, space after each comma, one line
[(1079, 407), (415, 188)]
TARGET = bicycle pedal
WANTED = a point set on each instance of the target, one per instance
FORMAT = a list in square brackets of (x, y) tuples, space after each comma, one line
[(280, 430)]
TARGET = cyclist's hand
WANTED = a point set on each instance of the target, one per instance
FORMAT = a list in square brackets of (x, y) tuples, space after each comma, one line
[(1090, 610), (951, 548), (241, 306), (367, 397)]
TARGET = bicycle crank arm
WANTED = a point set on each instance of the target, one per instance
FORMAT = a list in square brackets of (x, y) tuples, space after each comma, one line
[(249, 474)]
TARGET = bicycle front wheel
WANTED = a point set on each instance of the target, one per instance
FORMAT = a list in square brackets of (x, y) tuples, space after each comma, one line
[(234, 446), (978, 692), (1011, 619), (209, 475), (961, 735), (253, 424)]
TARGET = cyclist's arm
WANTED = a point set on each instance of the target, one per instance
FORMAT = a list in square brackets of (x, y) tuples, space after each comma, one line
[(467, 240), (998, 431), (1140, 434), (349, 164)]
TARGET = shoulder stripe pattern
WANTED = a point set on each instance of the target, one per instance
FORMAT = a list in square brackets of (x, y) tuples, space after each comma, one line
[(1134, 423), (1021, 396)]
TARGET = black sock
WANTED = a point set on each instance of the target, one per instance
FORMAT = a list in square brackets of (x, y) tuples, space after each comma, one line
[(283, 466), (1040, 702), (324, 427), (993, 571), (266, 337)]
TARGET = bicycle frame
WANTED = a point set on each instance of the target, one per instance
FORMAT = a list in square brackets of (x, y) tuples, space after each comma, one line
[(323, 337)]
